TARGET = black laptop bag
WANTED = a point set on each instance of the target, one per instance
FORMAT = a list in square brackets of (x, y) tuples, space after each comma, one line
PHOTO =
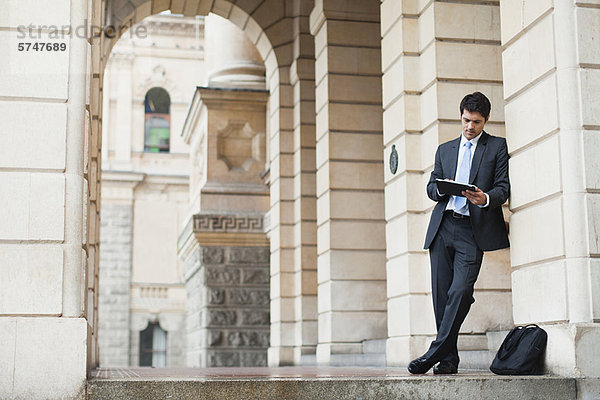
[(521, 352)]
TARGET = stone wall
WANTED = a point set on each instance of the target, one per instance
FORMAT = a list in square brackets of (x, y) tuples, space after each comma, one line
[(115, 277), (228, 307)]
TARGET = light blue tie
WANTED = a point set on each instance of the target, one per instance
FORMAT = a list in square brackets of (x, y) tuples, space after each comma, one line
[(460, 203)]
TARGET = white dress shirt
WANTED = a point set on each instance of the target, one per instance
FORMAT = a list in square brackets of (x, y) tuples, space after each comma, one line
[(461, 153)]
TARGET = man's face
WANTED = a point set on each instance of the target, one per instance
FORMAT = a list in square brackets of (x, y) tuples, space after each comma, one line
[(472, 123)]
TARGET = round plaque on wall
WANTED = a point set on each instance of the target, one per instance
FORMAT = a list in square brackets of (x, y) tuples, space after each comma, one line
[(394, 160)]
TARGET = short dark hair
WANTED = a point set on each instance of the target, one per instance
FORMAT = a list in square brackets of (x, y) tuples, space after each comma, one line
[(476, 102)]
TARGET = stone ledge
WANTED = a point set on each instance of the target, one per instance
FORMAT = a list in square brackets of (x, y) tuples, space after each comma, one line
[(234, 385)]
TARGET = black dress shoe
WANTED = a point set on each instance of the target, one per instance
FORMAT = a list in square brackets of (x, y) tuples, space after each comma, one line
[(445, 367), (419, 366)]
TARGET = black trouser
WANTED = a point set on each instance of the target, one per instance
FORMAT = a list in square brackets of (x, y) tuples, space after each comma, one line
[(455, 263)]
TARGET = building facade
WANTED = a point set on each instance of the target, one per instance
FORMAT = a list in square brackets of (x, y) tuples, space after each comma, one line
[(348, 82), (149, 81)]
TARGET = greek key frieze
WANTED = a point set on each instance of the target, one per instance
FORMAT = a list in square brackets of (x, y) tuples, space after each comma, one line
[(228, 223)]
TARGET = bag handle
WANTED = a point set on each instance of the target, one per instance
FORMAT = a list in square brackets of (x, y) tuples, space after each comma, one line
[(510, 343)]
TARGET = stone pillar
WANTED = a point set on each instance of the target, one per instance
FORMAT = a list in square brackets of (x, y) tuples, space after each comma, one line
[(551, 85), (427, 63), (122, 135), (114, 298), (232, 61), (302, 79), (351, 228), (42, 250), (224, 247), (227, 281)]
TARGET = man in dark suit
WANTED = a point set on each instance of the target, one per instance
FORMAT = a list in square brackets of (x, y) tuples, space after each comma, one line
[(462, 228)]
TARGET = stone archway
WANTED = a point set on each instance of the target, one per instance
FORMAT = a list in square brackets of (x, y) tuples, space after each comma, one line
[(275, 45)]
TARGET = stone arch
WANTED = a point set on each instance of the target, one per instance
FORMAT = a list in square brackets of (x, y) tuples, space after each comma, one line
[(268, 25)]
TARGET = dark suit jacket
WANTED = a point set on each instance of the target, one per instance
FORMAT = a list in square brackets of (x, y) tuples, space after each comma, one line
[(489, 172)]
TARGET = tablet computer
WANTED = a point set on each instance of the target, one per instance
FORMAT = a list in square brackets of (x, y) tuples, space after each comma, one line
[(452, 187)]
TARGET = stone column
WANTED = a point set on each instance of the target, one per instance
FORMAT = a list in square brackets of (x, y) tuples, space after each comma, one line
[(122, 71), (227, 281), (351, 228), (224, 246), (114, 298), (551, 84), (42, 253), (428, 63), (232, 61), (302, 79)]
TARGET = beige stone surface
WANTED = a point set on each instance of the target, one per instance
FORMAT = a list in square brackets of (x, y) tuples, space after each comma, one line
[(492, 311), (488, 65), (528, 118), (534, 172), (495, 271), (349, 264), (591, 147), (594, 277), (351, 60), (349, 205), (426, 28), (34, 143), (33, 74), (449, 95), (590, 85), (282, 334), (402, 37), (351, 326), (467, 21), (37, 271), (533, 242), (8, 332), (391, 11), (402, 75), (515, 16), (588, 35), (396, 196), (38, 365), (414, 316), (571, 349), (21, 14), (341, 295), (25, 218), (408, 233), (349, 175), (540, 293), (358, 235), (593, 215), (401, 350), (529, 58), (408, 274)]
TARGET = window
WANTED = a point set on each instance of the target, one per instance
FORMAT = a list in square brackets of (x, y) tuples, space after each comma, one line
[(153, 346), (157, 106)]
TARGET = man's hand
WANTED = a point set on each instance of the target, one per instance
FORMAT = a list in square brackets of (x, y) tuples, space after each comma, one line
[(476, 197)]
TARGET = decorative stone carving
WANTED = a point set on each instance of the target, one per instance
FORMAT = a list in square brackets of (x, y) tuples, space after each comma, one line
[(157, 79), (239, 146), (228, 223)]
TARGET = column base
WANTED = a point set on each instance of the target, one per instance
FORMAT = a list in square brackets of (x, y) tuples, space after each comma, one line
[(401, 350), (573, 350), (280, 356)]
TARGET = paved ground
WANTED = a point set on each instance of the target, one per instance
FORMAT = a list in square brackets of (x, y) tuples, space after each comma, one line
[(264, 373)]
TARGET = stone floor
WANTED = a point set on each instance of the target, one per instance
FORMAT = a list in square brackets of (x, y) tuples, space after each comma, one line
[(319, 383)]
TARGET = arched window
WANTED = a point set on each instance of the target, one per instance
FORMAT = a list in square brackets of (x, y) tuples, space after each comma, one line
[(153, 346), (158, 121)]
